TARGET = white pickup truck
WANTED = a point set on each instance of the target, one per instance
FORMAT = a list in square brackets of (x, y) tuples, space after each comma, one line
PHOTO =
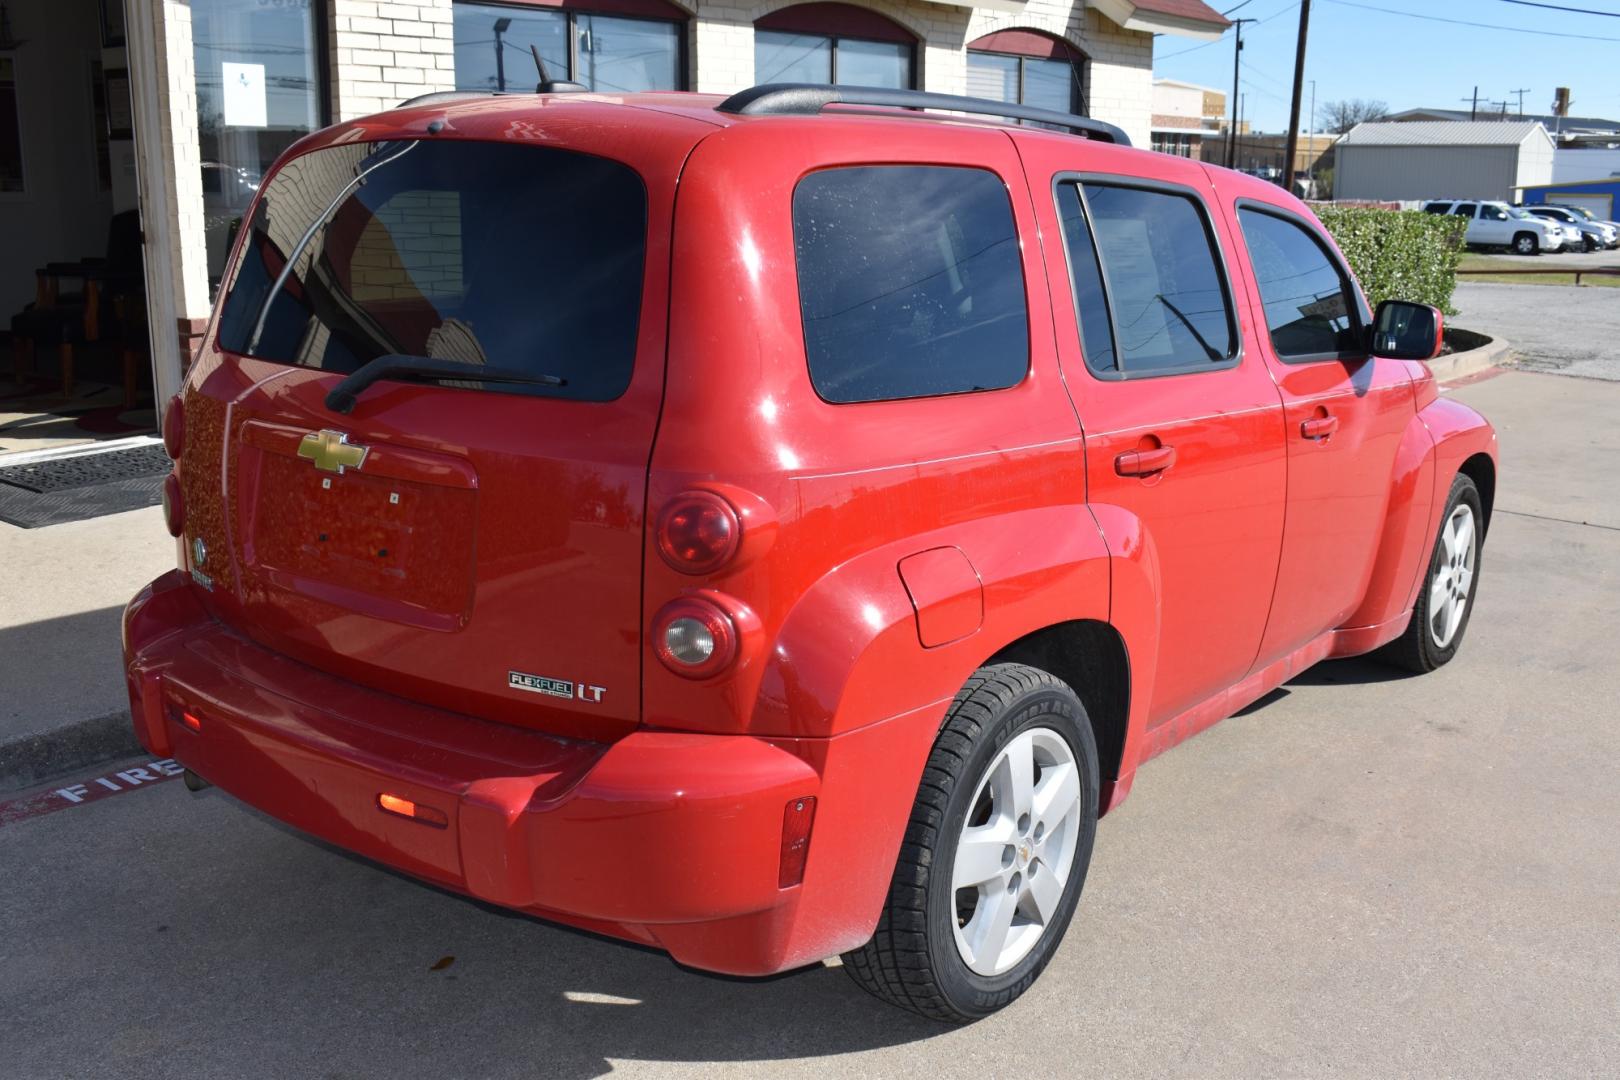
[(1493, 224)]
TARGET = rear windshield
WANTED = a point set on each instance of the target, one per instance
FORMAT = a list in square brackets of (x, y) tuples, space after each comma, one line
[(519, 257)]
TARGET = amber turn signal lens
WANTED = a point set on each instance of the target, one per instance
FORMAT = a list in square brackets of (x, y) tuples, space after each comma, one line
[(427, 815), (174, 506), (174, 428), (698, 531)]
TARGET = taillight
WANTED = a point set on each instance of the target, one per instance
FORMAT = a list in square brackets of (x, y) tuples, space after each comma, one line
[(698, 531), (174, 506), (174, 428), (694, 637), (796, 821)]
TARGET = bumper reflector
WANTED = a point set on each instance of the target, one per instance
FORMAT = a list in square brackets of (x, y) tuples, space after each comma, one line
[(405, 808), (191, 721), (797, 818)]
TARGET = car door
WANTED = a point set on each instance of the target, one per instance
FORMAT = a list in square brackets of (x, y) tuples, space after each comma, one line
[(1477, 229), (1345, 412), (1182, 423)]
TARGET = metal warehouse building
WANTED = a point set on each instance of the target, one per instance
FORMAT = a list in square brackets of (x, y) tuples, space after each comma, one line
[(1602, 197), (1486, 159)]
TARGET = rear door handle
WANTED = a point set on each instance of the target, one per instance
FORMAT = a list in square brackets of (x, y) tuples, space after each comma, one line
[(1145, 462), (1318, 427)]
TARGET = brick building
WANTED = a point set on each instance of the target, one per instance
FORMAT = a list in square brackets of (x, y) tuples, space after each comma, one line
[(195, 98)]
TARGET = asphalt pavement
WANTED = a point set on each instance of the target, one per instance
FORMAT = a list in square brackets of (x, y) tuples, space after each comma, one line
[(1366, 875), (1561, 329)]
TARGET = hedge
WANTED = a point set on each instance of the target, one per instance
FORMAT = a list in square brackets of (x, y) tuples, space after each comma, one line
[(1399, 254)]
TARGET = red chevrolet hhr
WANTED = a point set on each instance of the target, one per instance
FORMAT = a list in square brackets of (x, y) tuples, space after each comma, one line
[(778, 527)]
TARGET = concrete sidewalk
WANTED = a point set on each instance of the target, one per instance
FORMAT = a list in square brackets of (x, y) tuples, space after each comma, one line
[(62, 592)]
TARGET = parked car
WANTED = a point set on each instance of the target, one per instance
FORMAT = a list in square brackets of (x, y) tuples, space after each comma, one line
[(1493, 224), (795, 568), (1594, 235), (1586, 215), (1569, 236)]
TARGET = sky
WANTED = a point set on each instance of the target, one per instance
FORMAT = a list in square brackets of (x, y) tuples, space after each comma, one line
[(1379, 49)]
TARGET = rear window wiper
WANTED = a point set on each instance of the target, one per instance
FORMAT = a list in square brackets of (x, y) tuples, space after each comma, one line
[(342, 397)]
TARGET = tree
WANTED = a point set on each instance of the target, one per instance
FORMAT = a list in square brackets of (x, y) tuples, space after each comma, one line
[(1341, 116)]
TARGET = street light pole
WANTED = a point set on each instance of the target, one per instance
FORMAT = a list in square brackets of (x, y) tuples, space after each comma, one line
[(501, 27)]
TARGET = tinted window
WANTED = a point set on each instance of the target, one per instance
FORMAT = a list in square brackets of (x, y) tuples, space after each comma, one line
[(787, 56), (609, 53), (1090, 300), (909, 282), (1437, 208), (514, 256), (1463, 209), (1165, 291), (1309, 309)]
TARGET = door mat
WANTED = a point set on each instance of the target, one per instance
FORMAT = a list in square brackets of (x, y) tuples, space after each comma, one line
[(83, 486)]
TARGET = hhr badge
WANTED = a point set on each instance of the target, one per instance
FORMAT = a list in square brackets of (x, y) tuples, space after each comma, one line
[(331, 451), (540, 684)]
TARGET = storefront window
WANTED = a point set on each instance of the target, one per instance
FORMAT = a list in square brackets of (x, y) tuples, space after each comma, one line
[(604, 52), (1027, 69), (258, 92), (832, 43)]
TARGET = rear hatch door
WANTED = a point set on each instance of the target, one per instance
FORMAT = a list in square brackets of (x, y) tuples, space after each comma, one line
[(474, 545)]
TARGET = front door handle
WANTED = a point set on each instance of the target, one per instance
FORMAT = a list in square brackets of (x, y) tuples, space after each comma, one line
[(1318, 427), (1145, 462)]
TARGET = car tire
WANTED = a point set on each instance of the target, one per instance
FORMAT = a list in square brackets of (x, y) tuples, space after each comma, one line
[(1590, 243), (1446, 600), (960, 953), (1526, 244)]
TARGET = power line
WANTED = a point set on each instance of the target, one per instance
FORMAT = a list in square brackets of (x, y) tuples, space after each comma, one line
[(1561, 7), (1475, 25), (1217, 41)]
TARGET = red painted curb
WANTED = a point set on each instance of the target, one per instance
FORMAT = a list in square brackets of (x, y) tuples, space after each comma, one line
[(90, 789)]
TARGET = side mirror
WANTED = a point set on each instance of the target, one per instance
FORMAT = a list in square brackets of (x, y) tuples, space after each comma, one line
[(1406, 331)]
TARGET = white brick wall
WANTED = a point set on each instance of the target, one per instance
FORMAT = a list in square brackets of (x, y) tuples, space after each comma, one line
[(1119, 82), (383, 53)]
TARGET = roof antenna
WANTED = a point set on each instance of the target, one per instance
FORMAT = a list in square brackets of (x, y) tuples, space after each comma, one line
[(548, 85)]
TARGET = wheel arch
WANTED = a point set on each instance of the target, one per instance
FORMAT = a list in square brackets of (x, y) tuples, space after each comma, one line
[(1089, 655), (1481, 469)]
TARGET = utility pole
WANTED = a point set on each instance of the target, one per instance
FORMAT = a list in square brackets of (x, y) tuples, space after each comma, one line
[(1520, 94), (1293, 108), (1473, 110), (1237, 56)]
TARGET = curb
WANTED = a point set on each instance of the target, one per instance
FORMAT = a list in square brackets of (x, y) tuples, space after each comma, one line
[(32, 759), (1460, 365)]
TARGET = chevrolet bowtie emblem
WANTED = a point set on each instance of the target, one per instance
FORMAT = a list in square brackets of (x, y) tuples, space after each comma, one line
[(331, 451)]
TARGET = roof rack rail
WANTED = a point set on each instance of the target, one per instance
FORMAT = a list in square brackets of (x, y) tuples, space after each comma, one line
[(808, 99)]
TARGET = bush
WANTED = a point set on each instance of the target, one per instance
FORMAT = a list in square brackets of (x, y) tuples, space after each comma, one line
[(1399, 254)]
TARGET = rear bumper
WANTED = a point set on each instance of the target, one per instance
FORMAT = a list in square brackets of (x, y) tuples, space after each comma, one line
[(665, 838)]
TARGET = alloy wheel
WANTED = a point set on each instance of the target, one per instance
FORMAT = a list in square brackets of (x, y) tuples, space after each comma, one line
[(1454, 577), (1016, 850)]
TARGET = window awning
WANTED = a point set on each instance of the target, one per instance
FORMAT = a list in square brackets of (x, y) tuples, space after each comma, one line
[(1179, 18)]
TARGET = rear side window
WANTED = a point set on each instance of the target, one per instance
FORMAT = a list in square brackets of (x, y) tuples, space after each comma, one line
[(1148, 288), (1437, 208), (910, 283), (1464, 209), (1309, 307), (519, 257)]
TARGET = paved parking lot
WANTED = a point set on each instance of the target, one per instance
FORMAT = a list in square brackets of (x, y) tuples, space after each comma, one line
[(1367, 875), (1567, 329)]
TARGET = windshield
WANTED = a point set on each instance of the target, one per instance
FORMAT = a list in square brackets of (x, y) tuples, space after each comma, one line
[(523, 258)]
